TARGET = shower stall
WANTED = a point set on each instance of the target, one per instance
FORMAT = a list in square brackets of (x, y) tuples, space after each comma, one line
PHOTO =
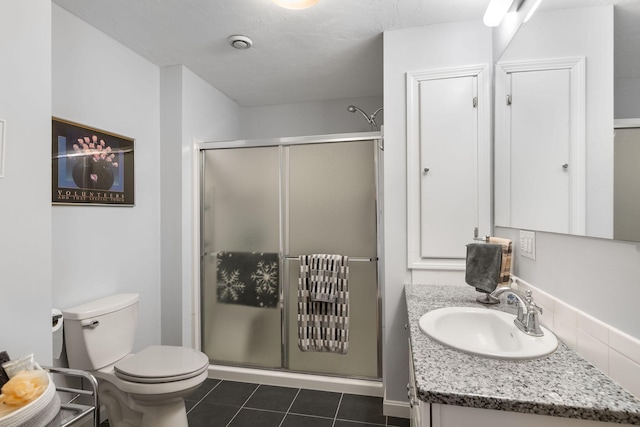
[(265, 203)]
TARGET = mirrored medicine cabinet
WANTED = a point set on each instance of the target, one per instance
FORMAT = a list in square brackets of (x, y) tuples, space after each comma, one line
[(567, 123)]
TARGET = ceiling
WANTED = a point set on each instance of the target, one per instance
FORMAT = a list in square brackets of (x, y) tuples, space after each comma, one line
[(331, 51)]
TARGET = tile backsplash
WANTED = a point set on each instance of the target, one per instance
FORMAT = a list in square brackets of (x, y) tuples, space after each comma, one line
[(614, 352)]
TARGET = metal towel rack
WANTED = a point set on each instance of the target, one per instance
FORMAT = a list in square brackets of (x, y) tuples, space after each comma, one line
[(71, 412)]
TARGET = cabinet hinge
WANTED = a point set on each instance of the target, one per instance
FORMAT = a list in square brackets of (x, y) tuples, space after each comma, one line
[(475, 102), (508, 99)]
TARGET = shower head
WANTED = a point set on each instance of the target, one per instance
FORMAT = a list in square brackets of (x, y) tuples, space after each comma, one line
[(370, 119)]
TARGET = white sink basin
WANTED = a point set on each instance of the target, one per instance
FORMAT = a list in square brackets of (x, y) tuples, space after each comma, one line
[(485, 332)]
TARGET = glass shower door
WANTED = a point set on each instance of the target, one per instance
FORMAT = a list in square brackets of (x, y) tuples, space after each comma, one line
[(241, 310), (331, 200)]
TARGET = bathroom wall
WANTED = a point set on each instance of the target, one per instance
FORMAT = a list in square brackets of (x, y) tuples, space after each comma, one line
[(309, 118), (97, 250), (191, 110), (627, 93), (25, 191), (423, 48), (596, 276)]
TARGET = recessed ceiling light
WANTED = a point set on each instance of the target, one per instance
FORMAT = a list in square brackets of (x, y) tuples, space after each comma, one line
[(295, 4), (240, 42)]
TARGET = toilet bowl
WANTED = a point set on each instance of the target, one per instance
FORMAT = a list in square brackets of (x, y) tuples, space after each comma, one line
[(142, 389)]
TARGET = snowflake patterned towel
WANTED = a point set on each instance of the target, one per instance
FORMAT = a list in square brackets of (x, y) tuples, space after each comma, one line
[(323, 325), (248, 278)]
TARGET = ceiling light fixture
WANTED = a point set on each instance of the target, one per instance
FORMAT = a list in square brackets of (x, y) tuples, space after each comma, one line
[(296, 4), (532, 10), (496, 10), (240, 42)]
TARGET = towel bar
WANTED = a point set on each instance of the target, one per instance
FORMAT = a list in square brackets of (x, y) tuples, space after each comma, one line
[(355, 259)]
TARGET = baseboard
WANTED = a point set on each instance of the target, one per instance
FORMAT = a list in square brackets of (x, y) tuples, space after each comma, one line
[(395, 408), (290, 379)]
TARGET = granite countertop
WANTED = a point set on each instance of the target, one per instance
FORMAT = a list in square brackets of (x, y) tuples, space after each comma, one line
[(562, 384)]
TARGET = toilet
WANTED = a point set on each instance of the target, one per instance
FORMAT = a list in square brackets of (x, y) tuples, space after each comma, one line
[(143, 389)]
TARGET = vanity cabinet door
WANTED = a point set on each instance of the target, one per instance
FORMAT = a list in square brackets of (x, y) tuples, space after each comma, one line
[(455, 416), (419, 411), (414, 409)]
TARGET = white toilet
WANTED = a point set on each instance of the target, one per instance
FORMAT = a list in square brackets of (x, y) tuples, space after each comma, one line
[(143, 389)]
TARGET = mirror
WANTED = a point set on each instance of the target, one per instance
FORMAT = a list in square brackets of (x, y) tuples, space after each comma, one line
[(560, 163)]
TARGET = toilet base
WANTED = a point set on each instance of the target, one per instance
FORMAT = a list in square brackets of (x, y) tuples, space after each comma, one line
[(123, 410)]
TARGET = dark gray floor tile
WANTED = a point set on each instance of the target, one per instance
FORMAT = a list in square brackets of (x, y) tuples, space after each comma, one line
[(189, 404), (343, 423), (365, 409), (319, 403), (293, 420), (398, 422), (230, 393), (272, 398), (208, 415), (204, 388), (255, 417)]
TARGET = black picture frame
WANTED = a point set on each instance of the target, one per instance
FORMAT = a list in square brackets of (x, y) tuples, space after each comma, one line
[(90, 166)]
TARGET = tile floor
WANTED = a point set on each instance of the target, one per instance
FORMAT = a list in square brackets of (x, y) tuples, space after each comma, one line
[(234, 404)]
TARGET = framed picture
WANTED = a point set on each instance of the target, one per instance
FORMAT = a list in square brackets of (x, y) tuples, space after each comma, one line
[(90, 166)]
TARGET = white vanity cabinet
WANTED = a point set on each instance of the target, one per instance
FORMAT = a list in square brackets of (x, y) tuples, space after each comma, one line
[(424, 414), (418, 409), (449, 388), (448, 164)]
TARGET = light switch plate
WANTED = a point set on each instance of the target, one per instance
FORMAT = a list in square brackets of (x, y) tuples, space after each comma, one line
[(528, 244)]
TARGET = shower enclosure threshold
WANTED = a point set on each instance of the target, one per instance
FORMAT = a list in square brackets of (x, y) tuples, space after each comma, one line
[(297, 380)]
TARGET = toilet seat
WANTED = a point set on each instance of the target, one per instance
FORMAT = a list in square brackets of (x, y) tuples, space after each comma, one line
[(162, 364)]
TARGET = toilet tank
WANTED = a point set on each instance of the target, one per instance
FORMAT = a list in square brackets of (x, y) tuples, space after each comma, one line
[(100, 332)]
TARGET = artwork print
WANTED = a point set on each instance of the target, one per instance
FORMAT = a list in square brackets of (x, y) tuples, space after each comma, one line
[(91, 166)]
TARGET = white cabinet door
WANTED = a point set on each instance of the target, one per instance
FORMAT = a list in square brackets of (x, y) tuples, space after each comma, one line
[(540, 162), (540, 145), (448, 165), (448, 152)]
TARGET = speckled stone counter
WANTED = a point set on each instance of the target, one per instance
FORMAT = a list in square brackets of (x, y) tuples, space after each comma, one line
[(562, 384)]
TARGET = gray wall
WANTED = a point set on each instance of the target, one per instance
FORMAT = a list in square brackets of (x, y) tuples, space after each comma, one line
[(25, 189), (598, 276)]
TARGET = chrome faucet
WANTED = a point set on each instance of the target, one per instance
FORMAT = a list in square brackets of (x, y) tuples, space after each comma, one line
[(527, 318)]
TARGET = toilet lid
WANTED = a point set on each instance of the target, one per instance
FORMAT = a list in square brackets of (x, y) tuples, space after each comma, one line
[(161, 364)]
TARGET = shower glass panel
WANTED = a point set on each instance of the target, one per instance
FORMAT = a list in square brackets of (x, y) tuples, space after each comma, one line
[(240, 223), (331, 197)]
